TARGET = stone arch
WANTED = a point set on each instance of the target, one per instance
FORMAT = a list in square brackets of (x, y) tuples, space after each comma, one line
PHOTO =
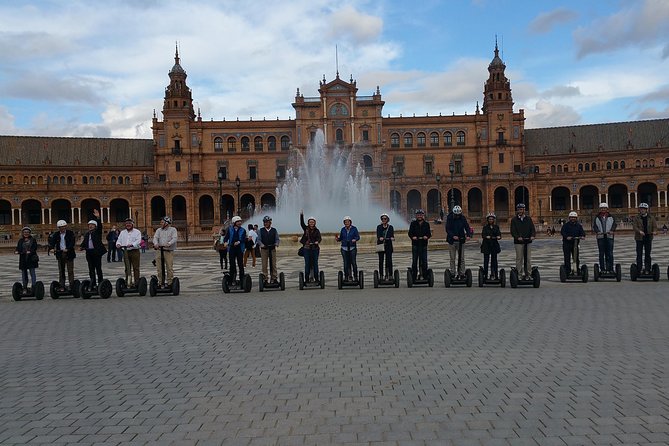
[(432, 202), (31, 212), (589, 197), (247, 206), (119, 210), (560, 199), (228, 206), (179, 211), (158, 210), (501, 202), (267, 201), (475, 203), (206, 210), (87, 207), (618, 196), (647, 193), (61, 209), (522, 195), (5, 212), (414, 200)]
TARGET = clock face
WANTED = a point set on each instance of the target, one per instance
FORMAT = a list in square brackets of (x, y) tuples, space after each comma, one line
[(176, 125)]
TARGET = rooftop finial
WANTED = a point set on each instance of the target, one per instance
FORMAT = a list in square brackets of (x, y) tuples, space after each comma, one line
[(337, 60), (176, 52), (496, 48)]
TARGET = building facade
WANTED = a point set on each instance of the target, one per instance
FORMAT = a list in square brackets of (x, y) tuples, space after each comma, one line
[(202, 172)]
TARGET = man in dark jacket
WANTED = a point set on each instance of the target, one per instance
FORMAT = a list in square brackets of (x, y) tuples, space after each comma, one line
[(645, 227), (571, 231), (457, 233), (94, 248), (523, 232), (62, 242), (419, 233)]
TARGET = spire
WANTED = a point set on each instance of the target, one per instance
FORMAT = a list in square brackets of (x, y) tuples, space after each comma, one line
[(177, 69)]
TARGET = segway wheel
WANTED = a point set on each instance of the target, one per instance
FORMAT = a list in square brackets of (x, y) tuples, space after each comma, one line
[(633, 272), (584, 273), (595, 272), (513, 278), (300, 281), (39, 290), (502, 278), (261, 282), (376, 279), (142, 286), (656, 272), (340, 280), (53, 289), (396, 277), (247, 283), (667, 272), (321, 276), (84, 289), (225, 283), (430, 278), (468, 278), (153, 286), (282, 282), (619, 272), (409, 279), (176, 286), (76, 289), (120, 287), (563, 274), (17, 288), (536, 278), (481, 278), (361, 279), (105, 289), (447, 278)]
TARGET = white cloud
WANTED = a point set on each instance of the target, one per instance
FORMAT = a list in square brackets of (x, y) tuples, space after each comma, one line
[(348, 23), (546, 21), (6, 122), (547, 114)]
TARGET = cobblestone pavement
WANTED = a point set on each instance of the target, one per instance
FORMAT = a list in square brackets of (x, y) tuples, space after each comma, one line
[(565, 364)]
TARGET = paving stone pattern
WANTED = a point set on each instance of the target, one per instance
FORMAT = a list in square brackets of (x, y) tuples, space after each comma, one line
[(565, 364)]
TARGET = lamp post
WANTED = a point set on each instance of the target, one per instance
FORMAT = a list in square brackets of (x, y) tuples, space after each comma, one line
[(238, 184), (451, 169), (221, 175), (145, 185), (438, 178), (394, 192)]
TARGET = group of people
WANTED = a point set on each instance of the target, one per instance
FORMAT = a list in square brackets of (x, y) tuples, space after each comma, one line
[(63, 243)]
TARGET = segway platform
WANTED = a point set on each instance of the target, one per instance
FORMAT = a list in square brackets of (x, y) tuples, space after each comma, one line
[(264, 284), (313, 284), (103, 290), (420, 280), (653, 274), (243, 286), (18, 293), (354, 282), (163, 288), (122, 287), (394, 280), (533, 280), (500, 280), (598, 274), (451, 279), (578, 273), (56, 293)]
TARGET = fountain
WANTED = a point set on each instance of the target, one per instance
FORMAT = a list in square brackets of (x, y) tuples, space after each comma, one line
[(325, 188)]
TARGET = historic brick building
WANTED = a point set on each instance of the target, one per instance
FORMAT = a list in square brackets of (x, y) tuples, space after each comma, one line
[(201, 172)]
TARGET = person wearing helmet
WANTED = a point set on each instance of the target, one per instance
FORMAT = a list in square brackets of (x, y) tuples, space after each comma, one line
[(491, 235), (645, 227), (165, 237), (268, 239), (95, 249), (349, 237), (130, 239), (457, 233), (604, 226), (570, 231), (235, 240), (112, 236), (311, 239), (62, 242), (26, 248), (419, 233), (523, 233), (385, 235)]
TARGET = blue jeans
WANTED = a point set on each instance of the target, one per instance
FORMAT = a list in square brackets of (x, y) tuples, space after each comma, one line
[(311, 263), (33, 277), (605, 246), (418, 256), (643, 245), (350, 262)]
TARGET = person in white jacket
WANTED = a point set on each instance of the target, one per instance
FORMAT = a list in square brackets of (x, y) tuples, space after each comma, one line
[(129, 240), (166, 238)]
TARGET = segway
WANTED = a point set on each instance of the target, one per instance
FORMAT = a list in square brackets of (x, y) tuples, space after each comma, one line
[(56, 292), (19, 293), (350, 281), (163, 288), (264, 283), (499, 280), (388, 281), (599, 274), (653, 274), (126, 286), (303, 281), (103, 290), (534, 279), (450, 278), (578, 273)]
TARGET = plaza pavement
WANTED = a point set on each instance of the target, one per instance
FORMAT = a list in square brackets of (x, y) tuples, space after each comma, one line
[(565, 364)]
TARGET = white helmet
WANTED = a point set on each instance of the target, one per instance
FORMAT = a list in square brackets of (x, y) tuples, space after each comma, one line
[(643, 206), (348, 218), (92, 222), (61, 223), (235, 219), (603, 204), (457, 210), (573, 214), (311, 218), (385, 215)]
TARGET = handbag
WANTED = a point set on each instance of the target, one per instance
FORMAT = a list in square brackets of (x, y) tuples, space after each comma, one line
[(381, 247), (300, 252)]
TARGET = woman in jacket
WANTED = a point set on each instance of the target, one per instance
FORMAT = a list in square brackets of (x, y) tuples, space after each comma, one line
[(490, 245), (26, 248), (311, 239), (385, 235), (349, 236)]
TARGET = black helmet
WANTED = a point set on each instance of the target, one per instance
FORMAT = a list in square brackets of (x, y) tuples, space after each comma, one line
[(266, 218)]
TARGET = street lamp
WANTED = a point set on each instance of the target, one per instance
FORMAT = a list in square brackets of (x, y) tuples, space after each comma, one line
[(451, 169), (238, 183), (145, 185), (438, 178), (394, 192), (221, 177)]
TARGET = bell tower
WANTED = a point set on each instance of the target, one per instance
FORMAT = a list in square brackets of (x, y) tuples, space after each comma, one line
[(497, 90)]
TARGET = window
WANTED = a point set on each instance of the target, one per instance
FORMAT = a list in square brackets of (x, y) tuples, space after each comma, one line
[(113, 179), (177, 147), (394, 140), (587, 167), (553, 168), (365, 135), (339, 135), (645, 163), (448, 138), (637, 163), (280, 172), (429, 168), (501, 158), (218, 144), (224, 172), (253, 173), (559, 169), (162, 178), (651, 163), (70, 180), (458, 167), (368, 164), (408, 140), (500, 138), (622, 164), (461, 138), (245, 144), (434, 139), (257, 144), (127, 180), (421, 139), (312, 136), (196, 178), (232, 144), (285, 142), (399, 168), (608, 165), (177, 166), (615, 165), (84, 180), (580, 167), (593, 167), (271, 144), (566, 168)]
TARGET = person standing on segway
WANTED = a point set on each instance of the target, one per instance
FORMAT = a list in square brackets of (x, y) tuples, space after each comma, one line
[(604, 226), (26, 248), (645, 227), (385, 235), (166, 238), (571, 231), (523, 233), (490, 246), (62, 242), (457, 233), (130, 239), (419, 233), (349, 236), (235, 240), (95, 249), (311, 239), (268, 238)]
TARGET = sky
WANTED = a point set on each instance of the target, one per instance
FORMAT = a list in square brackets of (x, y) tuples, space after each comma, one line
[(99, 68)]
